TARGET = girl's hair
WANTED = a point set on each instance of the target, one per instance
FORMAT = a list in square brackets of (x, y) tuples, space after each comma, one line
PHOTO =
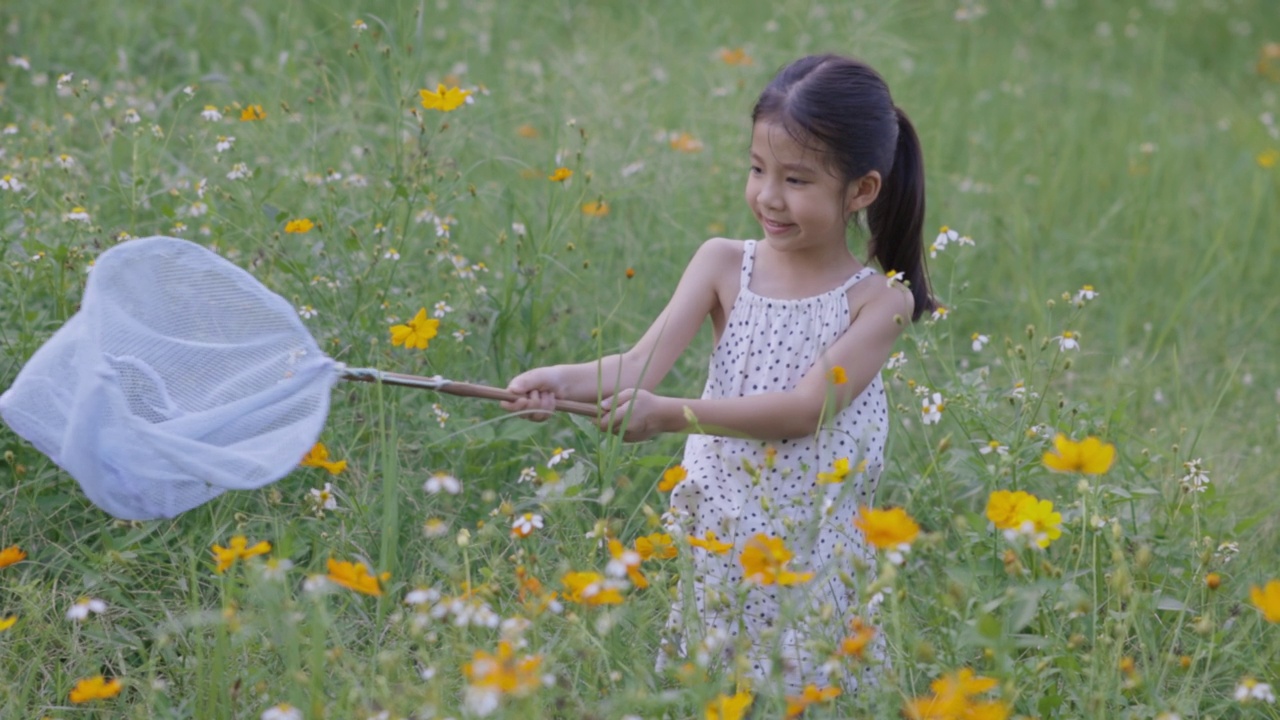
[(842, 108)]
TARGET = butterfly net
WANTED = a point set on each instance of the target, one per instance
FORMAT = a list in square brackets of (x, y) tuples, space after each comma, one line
[(181, 377)]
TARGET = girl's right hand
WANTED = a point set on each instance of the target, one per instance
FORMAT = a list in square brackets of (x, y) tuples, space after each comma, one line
[(536, 392)]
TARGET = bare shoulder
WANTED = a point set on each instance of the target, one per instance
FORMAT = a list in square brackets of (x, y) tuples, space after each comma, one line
[(718, 262), (875, 298)]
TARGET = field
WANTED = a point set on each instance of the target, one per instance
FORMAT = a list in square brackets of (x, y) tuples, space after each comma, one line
[(1117, 166)]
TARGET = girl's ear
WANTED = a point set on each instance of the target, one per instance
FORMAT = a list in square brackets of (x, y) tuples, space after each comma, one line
[(862, 192)]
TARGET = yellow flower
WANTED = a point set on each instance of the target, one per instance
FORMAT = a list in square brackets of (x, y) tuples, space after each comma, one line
[(590, 588), (839, 471), (444, 99), (729, 707), (686, 143), (886, 529), (657, 545), (838, 376), (1006, 509), (1267, 600), (95, 688), (560, 175), (6, 623), (11, 555), (252, 112), (673, 476), (599, 208), (765, 558), (237, 549), (630, 561), (709, 543), (811, 695), (862, 635), (1046, 524), (299, 226), (736, 56), (318, 457), (1268, 159), (355, 576), (1020, 512), (1090, 456), (503, 672), (418, 333), (952, 700)]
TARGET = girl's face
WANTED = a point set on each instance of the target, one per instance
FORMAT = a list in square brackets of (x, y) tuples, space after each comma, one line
[(796, 199)]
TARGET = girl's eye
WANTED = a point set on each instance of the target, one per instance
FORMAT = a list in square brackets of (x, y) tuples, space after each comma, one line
[(755, 170), (796, 181)]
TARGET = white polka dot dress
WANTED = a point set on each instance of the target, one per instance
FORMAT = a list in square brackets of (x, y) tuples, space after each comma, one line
[(738, 488)]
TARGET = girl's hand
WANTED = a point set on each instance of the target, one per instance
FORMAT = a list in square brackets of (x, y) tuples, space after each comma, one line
[(640, 410), (537, 390)]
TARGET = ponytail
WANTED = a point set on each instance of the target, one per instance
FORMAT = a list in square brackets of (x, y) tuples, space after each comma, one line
[(896, 218)]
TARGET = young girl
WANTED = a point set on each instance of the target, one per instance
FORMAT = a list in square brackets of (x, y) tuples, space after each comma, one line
[(802, 330)]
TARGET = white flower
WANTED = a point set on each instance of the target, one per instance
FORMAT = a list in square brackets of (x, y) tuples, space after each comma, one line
[(1196, 479), (994, 446), (618, 566), (379, 229), (518, 229), (896, 360), (632, 168), (9, 182), (1085, 294), (307, 312), (315, 584), (893, 276), (10, 129), (239, 171), (931, 409), (940, 313), (189, 91), (391, 254), (442, 415), (527, 475), (64, 80), (359, 25), (945, 235), (20, 62), (435, 527), (1068, 340), (275, 568), (460, 334), (77, 214), (1019, 391), (421, 596), (441, 309), (283, 711), (979, 341), (559, 456), (131, 116), (201, 185), (525, 524), (481, 701), (84, 606), (323, 499), (211, 113), (224, 143), (442, 481), (65, 161), (1250, 689), (198, 209)]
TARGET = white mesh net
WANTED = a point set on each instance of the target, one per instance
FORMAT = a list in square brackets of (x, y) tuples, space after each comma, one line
[(180, 378)]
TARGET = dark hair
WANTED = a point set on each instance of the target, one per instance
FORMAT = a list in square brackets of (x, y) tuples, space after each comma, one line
[(841, 107)]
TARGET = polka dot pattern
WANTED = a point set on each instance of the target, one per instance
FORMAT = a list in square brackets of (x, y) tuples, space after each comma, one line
[(737, 488)]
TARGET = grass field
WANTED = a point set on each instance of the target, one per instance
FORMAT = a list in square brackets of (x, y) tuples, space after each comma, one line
[(1130, 147)]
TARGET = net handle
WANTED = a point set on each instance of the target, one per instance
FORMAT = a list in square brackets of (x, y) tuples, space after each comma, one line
[(443, 385)]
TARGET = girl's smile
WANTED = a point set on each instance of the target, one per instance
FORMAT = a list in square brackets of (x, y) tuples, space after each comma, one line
[(798, 202)]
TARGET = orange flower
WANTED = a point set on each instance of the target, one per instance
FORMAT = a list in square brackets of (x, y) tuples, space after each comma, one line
[(657, 545), (560, 175), (590, 588), (765, 558), (811, 695), (252, 112), (890, 529), (673, 476), (1213, 580), (237, 549), (527, 131), (599, 208), (503, 672), (1090, 456), (862, 634), (709, 543), (736, 56), (838, 376), (299, 226), (1267, 600), (95, 688), (686, 143), (626, 562), (355, 576), (11, 555), (952, 699), (631, 272), (318, 457)]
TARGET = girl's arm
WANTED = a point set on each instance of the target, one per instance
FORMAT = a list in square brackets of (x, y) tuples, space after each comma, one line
[(649, 361), (862, 351)]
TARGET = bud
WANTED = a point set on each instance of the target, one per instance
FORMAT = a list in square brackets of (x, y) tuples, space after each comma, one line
[(1213, 580), (464, 537)]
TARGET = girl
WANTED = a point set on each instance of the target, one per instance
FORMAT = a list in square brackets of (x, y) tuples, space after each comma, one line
[(791, 427)]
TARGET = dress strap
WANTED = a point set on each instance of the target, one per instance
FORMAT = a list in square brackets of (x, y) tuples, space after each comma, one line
[(748, 259), (862, 274)]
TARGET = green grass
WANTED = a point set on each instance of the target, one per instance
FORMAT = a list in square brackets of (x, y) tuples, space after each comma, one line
[(1082, 143)]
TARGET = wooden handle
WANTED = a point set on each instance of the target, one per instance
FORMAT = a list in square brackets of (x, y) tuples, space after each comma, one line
[(471, 390)]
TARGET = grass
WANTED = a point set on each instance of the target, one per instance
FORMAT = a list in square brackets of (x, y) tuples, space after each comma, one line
[(1079, 143)]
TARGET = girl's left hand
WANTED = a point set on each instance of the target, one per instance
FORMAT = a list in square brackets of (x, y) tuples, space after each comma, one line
[(638, 410)]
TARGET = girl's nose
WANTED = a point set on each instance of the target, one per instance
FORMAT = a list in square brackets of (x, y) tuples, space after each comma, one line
[(769, 195)]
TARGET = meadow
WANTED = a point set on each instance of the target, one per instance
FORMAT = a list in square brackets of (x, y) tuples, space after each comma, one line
[(1116, 165)]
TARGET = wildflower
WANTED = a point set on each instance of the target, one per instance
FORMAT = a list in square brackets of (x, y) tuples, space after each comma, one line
[(444, 99), (896, 360), (442, 415), (631, 272), (1268, 158), (359, 25), (940, 313), (239, 171), (1213, 581), (19, 61), (1022, 514), (656, 545), (894, 276), (77, 214), (527, 131), (709, 543), (838, 376), (598, 208), (736, 56), (1068, 340), (994, 446), (560, 175), (237, 549), (892, 530), (764, 560), (686, 143), (979, 341), (1267, 600), (558, 456), (443, 481), (275, 568), (84, 606), (625, 562), (283, 711), (9, 182), (590, 588), (811, 695), (299, 226), (492, 676), (211, 113), (355, 576), (251, 113), (318, 457), (322, 498), (672, 477), (859, 638), (95, 688), (417, 333), (441, 309), (519, 229), (1085, 294), (435, 527), (11, 555), (1250, 689), (7, 622), (952, 699), (224, 143), (839, 471), (1090, 456), (525, 524), (307, 312), (729, 707), (1196, 479), (931, 409), (131, 117)]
